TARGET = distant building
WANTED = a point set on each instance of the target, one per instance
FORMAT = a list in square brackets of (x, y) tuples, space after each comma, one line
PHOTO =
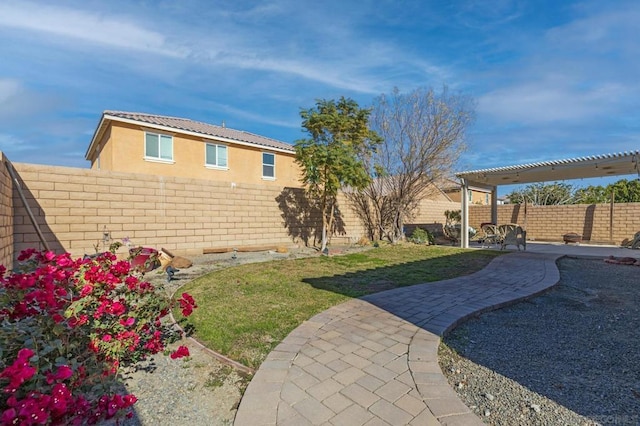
[(180, 147), (479, 196)]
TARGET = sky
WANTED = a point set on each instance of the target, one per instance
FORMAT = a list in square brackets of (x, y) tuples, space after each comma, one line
[(551, 79)]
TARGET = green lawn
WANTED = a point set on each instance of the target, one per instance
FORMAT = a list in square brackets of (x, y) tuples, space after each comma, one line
[(245, 311)]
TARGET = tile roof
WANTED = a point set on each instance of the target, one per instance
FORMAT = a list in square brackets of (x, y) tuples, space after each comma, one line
[(199, 127)]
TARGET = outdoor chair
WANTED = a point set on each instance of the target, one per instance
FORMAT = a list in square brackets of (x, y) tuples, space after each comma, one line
[(634, 243), (488, 235), (492, 233), (513, 234)]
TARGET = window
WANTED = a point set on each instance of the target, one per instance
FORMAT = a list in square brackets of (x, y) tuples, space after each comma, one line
[(268, 165), (216, 156), (158, 147), (486, 199)]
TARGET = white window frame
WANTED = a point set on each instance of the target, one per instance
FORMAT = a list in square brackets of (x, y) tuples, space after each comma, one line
[(216, 166), (273, 154), (159, 158)]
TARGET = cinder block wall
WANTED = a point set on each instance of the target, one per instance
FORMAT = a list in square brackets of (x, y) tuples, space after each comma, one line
[(550, 223), (75, 207), (6, 215)]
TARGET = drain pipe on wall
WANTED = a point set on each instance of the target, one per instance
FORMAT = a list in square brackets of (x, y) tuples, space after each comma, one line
[(14, 177)]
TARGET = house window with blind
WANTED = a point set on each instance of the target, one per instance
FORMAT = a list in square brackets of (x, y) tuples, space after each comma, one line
[(158, 147), (268, 166), (216, 156)]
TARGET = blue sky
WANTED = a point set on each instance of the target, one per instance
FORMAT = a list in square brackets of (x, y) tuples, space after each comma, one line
[(551, 79)]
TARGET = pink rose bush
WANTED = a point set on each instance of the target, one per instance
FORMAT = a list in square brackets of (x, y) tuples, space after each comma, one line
[(66, 328)]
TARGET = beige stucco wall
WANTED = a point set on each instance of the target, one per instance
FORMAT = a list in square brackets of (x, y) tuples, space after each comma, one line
[(477, 197), (123, 151)]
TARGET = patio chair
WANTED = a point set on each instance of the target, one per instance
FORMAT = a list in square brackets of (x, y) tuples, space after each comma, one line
[(634, 243), (488, 235), (491, 232), (513, 234)]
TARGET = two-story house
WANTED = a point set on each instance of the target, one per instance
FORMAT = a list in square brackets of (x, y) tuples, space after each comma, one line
[(171, 146)]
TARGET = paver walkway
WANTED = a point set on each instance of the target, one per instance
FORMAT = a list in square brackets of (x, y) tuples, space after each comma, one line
[(374, 361)]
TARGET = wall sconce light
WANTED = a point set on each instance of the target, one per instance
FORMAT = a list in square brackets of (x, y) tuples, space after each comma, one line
[(106, 235)]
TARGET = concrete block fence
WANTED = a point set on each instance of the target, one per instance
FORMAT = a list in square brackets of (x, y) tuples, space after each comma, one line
[(74, 209), (597, 223), (6, 215)]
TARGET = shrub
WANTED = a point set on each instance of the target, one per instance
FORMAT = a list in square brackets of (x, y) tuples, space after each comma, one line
[(66, 327), (421, 236)]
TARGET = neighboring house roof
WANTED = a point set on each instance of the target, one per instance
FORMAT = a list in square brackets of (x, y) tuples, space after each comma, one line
[(187, 126), (433, 188)]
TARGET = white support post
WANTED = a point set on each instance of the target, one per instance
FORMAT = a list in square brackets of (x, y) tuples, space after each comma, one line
[(464, 227), (494, 205)]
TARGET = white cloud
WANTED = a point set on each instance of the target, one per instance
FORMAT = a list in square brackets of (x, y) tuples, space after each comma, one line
[(85, 26), (8, 89), (263, 38), (18, 104), (10, 144), (580, 71), (545, 102)]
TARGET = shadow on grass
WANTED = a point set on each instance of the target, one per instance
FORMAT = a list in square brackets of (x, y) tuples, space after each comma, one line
[(377, 277)]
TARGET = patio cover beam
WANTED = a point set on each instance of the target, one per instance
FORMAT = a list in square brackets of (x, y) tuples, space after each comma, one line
[(595, 166)]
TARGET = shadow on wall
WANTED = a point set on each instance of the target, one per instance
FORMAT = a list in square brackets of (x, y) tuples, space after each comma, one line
[(515, 213), (303, 217), (23, 222), (588, 222)]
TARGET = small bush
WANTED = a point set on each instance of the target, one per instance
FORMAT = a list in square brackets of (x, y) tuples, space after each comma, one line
[(421, 236), (66, 328), (363, 241)]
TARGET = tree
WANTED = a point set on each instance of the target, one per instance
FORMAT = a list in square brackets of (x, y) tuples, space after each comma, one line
[(331, 159), (423, 136), (624, 191), (592, 194), (543, 194)]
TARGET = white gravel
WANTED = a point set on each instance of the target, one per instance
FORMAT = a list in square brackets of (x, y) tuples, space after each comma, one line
[(568, 357)]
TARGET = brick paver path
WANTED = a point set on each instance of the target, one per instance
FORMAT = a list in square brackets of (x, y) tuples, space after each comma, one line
[(374, 361)]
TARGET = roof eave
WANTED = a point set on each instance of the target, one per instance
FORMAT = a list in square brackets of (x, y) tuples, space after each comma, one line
[(196, 134), (96, 135)]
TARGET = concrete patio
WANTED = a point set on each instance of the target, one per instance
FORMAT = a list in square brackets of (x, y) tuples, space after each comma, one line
[(373, 361)]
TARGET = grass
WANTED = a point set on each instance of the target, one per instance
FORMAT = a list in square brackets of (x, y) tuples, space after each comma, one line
[(245, 311)]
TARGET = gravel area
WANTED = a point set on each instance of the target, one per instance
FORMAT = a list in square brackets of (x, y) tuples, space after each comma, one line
[(568, 357), (198, 390)]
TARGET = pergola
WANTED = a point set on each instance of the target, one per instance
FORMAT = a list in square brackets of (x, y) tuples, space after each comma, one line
[(625, 163)]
